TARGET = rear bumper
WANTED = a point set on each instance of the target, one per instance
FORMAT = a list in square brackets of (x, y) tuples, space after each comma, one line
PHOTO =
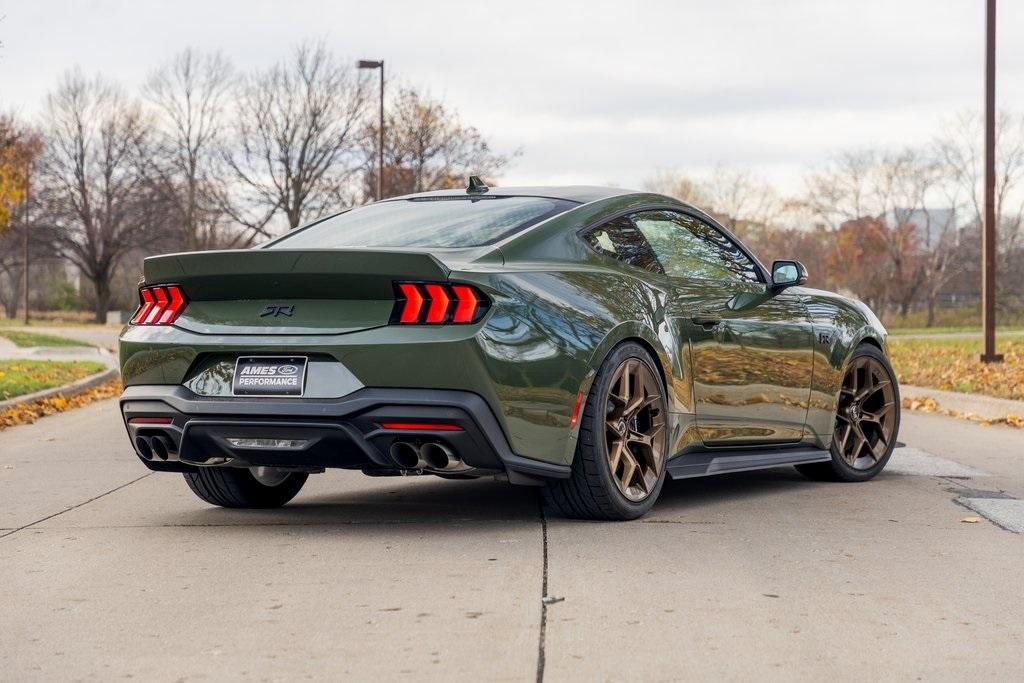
[(339, 432)]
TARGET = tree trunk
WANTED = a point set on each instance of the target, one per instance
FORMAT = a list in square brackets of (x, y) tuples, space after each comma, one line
[(102, 288), (11, 302), (931, 311)]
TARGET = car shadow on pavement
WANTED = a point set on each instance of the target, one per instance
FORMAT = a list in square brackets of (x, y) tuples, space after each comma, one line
[(425, 500), (724, 488), (437, 502)]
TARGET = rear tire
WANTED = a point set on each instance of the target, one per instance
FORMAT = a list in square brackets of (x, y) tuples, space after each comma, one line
[(237, 487), (845, 466), (593, 490)]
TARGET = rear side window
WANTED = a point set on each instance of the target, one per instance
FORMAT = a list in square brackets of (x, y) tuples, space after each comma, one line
[(426, 222), (621, 240), (690, 248)]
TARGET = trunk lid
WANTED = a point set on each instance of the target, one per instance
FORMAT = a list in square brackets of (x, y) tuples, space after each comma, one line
[(279, 291)]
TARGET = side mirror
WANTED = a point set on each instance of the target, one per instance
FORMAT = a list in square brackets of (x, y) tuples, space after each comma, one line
[(788, 274)]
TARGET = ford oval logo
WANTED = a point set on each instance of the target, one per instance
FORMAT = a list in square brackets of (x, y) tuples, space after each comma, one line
[(287, 369)]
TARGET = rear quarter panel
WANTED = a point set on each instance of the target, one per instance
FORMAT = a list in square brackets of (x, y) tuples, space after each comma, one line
[(547, 337)]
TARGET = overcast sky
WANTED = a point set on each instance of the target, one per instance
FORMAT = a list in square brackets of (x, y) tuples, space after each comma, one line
[(590, 92)]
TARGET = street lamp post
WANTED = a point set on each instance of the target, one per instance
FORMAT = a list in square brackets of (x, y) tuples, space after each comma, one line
[(371, 64), (988, 235)]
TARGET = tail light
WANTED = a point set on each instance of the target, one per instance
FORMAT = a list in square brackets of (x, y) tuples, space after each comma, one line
[(434, 303), (159, 305)]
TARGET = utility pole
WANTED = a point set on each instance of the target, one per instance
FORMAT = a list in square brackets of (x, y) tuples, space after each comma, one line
[(378, 64), (24, 245), (988, 235)]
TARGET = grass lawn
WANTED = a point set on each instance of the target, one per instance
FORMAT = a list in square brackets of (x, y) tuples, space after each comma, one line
[(33, 339), (963, 329), (19, 377), (953, 365)]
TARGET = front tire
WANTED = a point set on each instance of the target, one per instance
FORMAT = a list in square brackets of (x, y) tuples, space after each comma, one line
[(867, 420), (237, 487), (619, 467)]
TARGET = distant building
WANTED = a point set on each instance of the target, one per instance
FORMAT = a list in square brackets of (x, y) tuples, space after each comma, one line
[(931, 224)]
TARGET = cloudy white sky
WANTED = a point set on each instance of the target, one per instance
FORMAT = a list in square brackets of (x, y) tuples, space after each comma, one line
[(590, 92)]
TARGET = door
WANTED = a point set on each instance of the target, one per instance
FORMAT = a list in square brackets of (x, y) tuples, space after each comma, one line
[(750, 350)]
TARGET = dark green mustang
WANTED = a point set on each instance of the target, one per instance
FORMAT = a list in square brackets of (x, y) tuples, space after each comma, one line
[(587, 340)]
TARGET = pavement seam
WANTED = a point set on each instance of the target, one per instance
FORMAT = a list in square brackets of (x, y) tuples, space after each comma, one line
[(963, 500), (75, 507), (543, 594)]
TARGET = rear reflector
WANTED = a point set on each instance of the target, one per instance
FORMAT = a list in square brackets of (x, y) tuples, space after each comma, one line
[(433, 303), (421, 426), (150, 421), (159, 305)]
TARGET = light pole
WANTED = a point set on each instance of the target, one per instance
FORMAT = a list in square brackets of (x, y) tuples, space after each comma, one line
[(988, 235), (370, 64)]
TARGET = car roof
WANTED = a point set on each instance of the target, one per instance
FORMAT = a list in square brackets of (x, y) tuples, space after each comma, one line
[(574, 193)]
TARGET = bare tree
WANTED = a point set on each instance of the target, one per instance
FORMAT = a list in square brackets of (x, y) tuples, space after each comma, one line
[(294, 144), (93, 179), (738, 199), (959, 148), (676, 184), (742, 201), (426, 147), (891, 188), (189, 95)]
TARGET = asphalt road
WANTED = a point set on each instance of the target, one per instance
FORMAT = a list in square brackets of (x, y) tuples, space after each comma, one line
[(109, 572)]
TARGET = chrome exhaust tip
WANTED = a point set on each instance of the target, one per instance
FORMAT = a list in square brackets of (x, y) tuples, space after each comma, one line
[(437, 456), (162, 447), (405, 455), (143, 447)]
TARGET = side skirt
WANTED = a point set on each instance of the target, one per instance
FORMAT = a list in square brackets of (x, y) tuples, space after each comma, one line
[(704, 463)]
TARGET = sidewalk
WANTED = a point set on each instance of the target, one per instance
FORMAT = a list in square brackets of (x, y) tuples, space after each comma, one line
[(986, 407), (10, 351), (91, 335)]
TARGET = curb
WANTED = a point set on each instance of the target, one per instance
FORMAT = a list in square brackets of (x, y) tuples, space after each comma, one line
[(985, 407), (68, 390)]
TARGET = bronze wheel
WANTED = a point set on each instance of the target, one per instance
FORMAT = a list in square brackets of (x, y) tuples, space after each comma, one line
[(867, 414), (634, 429), (619, 466)]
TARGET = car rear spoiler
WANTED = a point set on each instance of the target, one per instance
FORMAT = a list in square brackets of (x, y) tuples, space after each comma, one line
[(313, 274)]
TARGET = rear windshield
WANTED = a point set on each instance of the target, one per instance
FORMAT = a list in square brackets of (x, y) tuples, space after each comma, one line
[(426, 222)]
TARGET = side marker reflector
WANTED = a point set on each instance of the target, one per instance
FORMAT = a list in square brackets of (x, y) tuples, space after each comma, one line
[(576, 410)]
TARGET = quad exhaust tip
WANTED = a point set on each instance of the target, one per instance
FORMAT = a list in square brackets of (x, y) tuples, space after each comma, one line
[(406, 455), (436, 456), (429, 456), (143, 447), (155, 447), (161, 446)]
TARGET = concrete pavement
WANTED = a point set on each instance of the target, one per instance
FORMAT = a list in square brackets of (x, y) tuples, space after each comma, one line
[(110, 572)]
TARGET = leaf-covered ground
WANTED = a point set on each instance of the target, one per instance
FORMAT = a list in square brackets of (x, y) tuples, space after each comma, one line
[(953, 365), (25, 413), (19, 377), (31, 339)]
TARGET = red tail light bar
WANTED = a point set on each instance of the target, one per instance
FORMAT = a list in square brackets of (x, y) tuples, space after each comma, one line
[(434, 303), (159, 305)]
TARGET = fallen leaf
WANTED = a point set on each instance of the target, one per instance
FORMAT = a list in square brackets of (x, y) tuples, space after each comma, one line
[(27, 413), (971, 520)]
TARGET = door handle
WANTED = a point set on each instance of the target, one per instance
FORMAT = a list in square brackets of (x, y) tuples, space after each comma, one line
[(706, 319)]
